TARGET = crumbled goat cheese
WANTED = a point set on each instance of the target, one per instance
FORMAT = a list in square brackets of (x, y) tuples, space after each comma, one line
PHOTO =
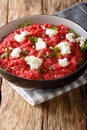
[(63, 62), (16, 52), (51, 32), (81, 40), (40, 44), (64, 47), (70, 37), (21, 36), (33, 61)]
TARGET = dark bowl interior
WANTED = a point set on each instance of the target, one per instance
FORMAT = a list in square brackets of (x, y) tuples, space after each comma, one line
[(44, 84)]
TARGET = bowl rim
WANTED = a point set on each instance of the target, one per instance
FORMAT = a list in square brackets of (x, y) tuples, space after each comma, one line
[(31, 80), (44, 15)]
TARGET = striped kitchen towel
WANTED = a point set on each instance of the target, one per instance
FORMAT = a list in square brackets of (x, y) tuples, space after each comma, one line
[(78, 14), (36, 96)]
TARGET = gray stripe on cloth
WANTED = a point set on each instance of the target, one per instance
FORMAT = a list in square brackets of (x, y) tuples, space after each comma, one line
[(37, 96), (76, 13)]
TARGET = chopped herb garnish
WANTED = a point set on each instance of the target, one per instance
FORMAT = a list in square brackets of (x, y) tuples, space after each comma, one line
[(8, 48), (40, 71), (55, 48), (71, 31), (33, 39), (80, 62), (54, 27), (25, 24), (44, 55), (58, 54), (50, 55), (84, 47), (24, 52), (4, 55)]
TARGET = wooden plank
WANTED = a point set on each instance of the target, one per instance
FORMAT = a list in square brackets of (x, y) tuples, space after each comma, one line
[(18, 114), (20, 8), (3, 21), (54, 6), (3, 12), (62, 113), (10, 107)]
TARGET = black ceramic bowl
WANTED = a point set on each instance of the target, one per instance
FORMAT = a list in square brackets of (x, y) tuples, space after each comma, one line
[(55, 83)]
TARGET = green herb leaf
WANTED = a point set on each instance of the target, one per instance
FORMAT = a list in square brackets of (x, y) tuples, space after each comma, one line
[(71, 31), (80, 62), (25, 24), (33, 39), (40, 71), (4, 55), (54, 27), (55, 48), (84, 48), (50, 55), (44, 55), (24, 52), (58, 54), (8, 48)]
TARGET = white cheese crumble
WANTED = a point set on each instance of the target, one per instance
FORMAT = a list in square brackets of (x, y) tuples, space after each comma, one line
[(81, 40), (70, 37), (33, 61), (21, 36), (63, 62), (64, 47), (16, 52), (51, 32), (40, 44)]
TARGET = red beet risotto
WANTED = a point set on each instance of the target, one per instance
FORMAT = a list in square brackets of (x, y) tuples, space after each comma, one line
[(44, 52)]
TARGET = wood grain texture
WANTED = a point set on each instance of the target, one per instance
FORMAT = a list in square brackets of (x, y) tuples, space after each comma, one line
[(3, 12), (53, 6), (20, 8), (66, 112)]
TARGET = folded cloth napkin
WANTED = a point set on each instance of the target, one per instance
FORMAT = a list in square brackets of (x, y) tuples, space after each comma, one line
[(78, 14)]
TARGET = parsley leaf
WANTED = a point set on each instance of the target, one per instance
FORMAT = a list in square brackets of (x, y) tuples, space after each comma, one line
[(48, 56), (71, 31), (80, 62), (4, 55), (44, 55), (25, 24), (54, 27), (33, 39), (24, 52), (55, 48), (58, 54), (8, 48), (84, 48), (40, 71)]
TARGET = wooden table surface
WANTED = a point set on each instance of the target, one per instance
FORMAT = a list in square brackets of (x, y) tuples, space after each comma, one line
[(66, 112)]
